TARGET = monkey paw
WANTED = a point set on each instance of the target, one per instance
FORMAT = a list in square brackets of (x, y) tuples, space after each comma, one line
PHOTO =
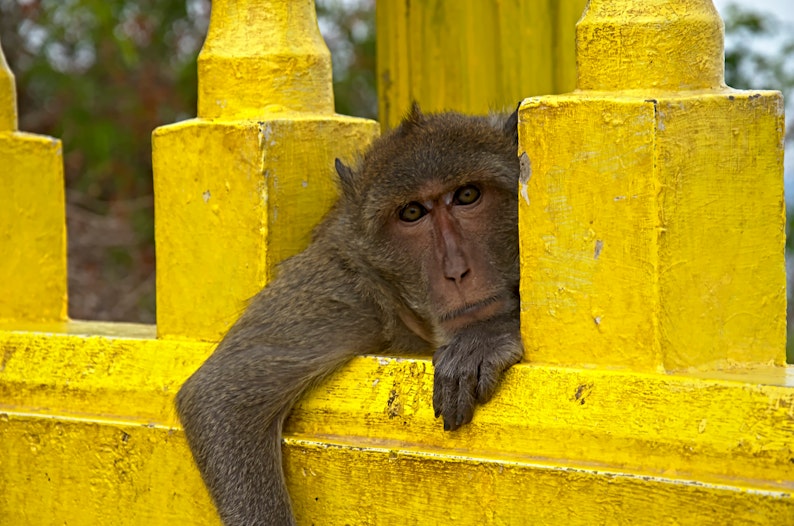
[(468, 369)]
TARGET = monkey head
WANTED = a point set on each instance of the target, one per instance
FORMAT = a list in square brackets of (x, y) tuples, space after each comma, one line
[(434, 208)]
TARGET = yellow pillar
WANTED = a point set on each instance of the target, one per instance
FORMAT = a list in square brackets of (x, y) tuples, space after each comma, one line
[(32, 218), (651, 210), (473, 56), (239, 188)]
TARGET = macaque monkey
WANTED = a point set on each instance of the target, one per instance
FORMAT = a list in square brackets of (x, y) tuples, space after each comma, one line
[(419, 254)]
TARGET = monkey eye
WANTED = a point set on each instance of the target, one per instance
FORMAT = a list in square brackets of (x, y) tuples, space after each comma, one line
[(466, 195), (412, 212)]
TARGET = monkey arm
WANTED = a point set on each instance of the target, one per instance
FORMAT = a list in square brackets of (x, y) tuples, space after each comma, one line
[(468, 368), (299, 329), (421, 248)]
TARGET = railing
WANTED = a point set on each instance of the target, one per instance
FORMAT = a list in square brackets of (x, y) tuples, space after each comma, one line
[(653, 296)]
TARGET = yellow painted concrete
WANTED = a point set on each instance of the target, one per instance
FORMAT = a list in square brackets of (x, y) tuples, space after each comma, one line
[(90, 470), (473, 56), (254, 192), (653, 44), (86, 412), (239, 189), (32, 217), (652, 220), (8, 96), (260, 54), (403, 486)]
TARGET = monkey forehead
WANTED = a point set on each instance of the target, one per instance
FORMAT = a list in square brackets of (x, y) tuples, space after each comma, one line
[(434, 191), (426, 181), (446, 147), (427, 158)]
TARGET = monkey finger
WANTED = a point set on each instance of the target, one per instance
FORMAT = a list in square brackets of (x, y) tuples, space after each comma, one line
[(438, 383), (438, 404), (466, 399), (444, 395), (449, 396), (486, 383), (494, 366)]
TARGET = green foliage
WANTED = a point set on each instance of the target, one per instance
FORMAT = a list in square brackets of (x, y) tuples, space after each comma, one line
[(101, 75)]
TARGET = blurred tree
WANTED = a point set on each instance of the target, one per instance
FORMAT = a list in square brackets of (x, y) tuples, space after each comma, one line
[(348, 27), (101, 75), (748, 62)]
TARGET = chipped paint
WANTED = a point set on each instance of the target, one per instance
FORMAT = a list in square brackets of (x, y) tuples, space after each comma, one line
[(599, 246), (525, 175)]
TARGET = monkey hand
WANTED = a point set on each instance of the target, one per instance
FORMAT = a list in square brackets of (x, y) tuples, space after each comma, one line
[(468, 368)]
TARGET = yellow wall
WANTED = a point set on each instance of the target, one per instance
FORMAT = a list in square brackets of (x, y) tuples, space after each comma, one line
[(87, 429)]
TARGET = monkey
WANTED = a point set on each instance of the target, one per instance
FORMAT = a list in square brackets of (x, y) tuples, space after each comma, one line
[(418, 255)]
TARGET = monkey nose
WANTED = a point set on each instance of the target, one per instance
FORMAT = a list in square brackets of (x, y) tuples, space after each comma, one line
[(456, 269)]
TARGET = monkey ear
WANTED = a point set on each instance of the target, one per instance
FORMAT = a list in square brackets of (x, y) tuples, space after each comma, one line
[(413, 119), (511, 125), (345, 175), (415, 113)]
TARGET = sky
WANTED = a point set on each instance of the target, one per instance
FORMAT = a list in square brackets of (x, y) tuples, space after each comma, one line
[(783, 9)]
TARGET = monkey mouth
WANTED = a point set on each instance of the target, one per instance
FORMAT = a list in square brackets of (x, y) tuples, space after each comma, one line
[(473, 312)]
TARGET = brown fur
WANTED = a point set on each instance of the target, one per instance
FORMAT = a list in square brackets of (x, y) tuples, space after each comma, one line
[(370, 282)]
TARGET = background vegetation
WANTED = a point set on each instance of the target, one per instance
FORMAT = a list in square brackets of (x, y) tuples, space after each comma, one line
[(102, 74)]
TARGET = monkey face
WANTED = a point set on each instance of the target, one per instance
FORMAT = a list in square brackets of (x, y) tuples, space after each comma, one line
[(436, 206), (446, 235)]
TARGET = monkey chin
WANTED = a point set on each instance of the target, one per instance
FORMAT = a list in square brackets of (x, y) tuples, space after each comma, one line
[(470, 313)]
